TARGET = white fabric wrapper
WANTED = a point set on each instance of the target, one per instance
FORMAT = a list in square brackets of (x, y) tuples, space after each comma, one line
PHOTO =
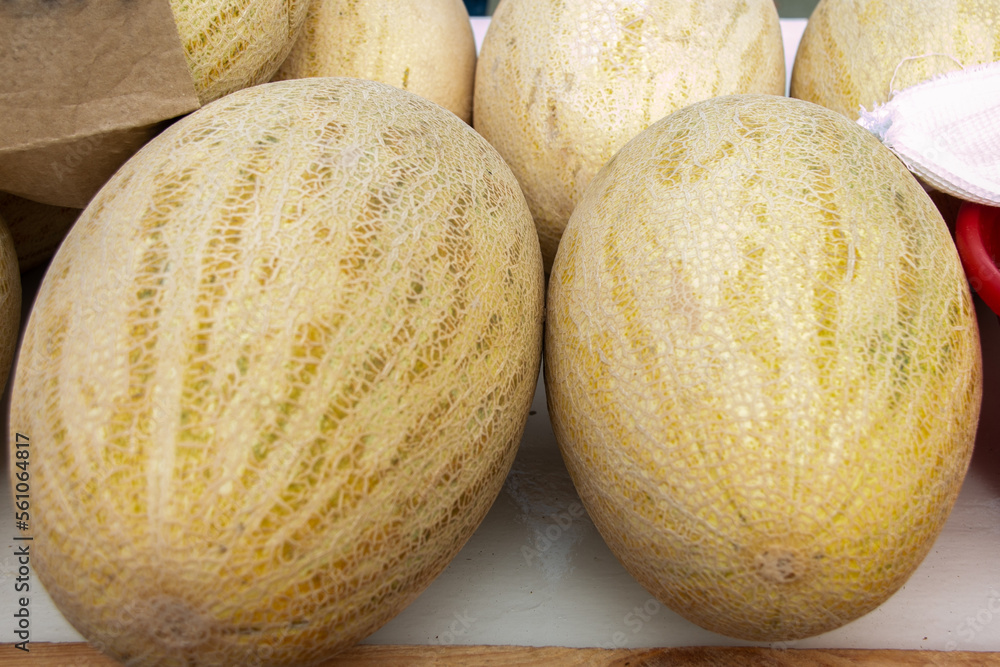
[(946, 130)]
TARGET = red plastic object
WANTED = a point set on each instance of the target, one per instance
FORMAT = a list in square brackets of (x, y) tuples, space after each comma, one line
[(977, 235)]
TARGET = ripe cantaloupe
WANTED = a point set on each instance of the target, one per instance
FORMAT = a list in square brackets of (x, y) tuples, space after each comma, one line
[(562, 84), (276, 374), (762, 365), (233, 44), (424, 46), (854, 53)]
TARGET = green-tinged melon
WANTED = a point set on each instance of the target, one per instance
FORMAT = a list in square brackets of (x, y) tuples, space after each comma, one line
[(563, 84), (424, 46), (762, 364), (276, 374)]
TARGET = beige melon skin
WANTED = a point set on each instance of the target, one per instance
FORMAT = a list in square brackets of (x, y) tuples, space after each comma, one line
[(424, 46), (233, 44), (562, 84), (276, 374), (762, 365), (854, 53)]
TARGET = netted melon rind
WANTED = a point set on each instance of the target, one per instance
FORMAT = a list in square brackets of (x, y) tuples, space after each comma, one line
[(234, 44), (276, 374), (855, 53), (561, 85), (762, 365), (424, 46)]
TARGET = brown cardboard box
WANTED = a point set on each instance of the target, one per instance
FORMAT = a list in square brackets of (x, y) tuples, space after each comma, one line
[(83, 85)]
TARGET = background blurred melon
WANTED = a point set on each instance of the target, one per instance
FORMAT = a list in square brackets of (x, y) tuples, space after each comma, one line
[(762, 365), (562, 84), (424, 46), (233, 44), (276, 374)]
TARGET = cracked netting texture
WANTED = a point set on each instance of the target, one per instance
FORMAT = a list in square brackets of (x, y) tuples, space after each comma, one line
[(424, 46), (563, 84), (233, 44), (762, 365), (277, 373), (854, 53), (36, 229)]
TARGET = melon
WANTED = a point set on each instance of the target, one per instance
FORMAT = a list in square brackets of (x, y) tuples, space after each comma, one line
[(855, 53), (36, 229), (762, 365), (276, 374), (563, 84), (234, 44), (424, 46)]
